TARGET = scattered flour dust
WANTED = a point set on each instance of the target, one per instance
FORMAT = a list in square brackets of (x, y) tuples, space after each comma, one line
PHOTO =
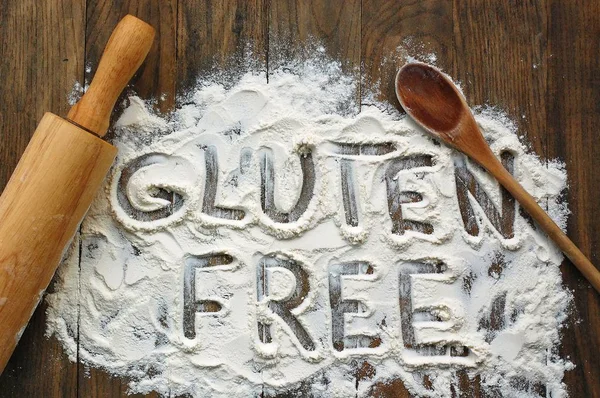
[(268, 235)]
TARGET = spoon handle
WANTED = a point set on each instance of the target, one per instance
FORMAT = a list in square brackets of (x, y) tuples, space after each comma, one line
[(543, 219)]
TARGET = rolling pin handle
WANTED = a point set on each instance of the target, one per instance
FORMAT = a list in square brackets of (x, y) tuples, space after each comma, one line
[(127, 48)]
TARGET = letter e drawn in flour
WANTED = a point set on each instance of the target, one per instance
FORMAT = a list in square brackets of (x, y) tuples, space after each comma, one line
[(341, 306), (408, 312), (192, 304), (283, 308), (396, 197)]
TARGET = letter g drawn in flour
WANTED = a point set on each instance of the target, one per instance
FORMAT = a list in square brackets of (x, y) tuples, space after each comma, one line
[(144, 194)]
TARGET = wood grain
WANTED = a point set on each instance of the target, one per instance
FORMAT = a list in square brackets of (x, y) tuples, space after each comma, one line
[(493, 42), (215, 36), (573, 114), (501, 60), (297, 27), (157, 76), (536, 59), (394, 30)]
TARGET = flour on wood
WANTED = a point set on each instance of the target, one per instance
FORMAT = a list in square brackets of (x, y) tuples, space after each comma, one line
[(265, 235)]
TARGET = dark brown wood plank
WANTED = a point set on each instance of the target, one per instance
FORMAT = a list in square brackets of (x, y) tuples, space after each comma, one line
[(573, 116), (391, 32), (296, 29), (42, 58), (154, 81), (41, 44), (204, 24), (214, 36), (501, 60), (203, 28), (220, 35)]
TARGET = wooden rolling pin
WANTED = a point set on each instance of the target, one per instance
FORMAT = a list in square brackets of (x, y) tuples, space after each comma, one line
[(55, 181)]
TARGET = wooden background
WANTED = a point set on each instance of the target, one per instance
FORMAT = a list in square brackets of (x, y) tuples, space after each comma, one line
[(537, 59)]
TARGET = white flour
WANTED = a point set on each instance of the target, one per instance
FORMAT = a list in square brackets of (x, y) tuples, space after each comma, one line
[(309, 280)]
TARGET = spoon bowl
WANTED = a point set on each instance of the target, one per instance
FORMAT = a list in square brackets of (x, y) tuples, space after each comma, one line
[(433, 101), (436, 104)]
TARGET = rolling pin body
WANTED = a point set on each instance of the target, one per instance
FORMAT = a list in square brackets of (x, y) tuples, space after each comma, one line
[(40, 210)]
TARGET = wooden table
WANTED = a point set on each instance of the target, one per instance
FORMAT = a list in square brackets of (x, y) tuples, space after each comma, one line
[(537, 59)]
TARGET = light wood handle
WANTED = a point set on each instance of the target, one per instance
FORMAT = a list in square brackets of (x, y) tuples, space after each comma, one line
[(554, 232), (126, 50), (40, 210)]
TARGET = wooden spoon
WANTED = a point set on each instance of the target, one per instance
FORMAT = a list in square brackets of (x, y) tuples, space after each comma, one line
[(435, 103)]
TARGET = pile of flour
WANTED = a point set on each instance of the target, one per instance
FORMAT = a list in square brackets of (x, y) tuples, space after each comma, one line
[(214, 260)]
